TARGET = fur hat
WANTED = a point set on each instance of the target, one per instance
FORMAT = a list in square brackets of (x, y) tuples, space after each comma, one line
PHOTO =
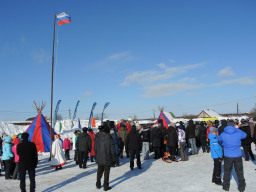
[(24, 136), (231, 122), (85, 129), (106, 129)]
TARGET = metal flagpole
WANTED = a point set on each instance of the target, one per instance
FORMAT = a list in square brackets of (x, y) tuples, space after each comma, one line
[(52, 85)]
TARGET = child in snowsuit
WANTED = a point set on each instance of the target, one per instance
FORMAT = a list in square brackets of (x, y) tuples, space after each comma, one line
[(216, 153)]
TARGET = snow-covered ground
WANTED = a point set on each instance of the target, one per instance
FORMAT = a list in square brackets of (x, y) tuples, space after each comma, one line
[(156, 175)]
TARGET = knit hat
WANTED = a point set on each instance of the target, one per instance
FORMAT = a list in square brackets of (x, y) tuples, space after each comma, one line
[(85, 129), (213, 130)]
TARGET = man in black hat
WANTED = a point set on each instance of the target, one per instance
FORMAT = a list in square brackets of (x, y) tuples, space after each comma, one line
[(105, 156), (83, 145), (28, 162)]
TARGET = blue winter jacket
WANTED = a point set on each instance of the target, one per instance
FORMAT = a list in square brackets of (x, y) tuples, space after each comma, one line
[(116, 142), (231, 141), (7, 149), (216, 150)]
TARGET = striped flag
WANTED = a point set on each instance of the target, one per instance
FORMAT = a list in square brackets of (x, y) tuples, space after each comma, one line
[(63, 18)]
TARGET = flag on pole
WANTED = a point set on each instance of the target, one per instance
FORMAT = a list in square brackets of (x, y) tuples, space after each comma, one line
[(63, 18), (79, 124), (60, 127)]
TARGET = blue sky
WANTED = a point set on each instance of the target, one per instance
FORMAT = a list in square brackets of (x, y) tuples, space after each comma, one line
[(185, 55)]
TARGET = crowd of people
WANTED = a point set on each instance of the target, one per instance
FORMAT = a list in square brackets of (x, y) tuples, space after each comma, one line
[(128, 139)]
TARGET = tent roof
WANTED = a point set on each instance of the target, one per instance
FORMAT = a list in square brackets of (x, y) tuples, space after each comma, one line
[(39, 133)]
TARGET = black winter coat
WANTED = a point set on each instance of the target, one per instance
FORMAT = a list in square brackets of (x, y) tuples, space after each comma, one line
[(202, 131), (84, 142), (145, 135), (163, 131), (156, 137), (172, 137), (133, 140), (28, 156), (105, 150), (191, 131), (246, 128), (222, 127)]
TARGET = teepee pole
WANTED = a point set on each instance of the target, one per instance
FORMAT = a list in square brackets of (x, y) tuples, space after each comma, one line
[(52, 84)]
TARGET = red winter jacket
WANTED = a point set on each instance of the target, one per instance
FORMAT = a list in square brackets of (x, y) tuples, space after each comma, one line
[(92, 135)]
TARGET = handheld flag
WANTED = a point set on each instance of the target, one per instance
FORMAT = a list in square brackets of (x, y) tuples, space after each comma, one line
[(60, 127), (79, 124), (63, 18)]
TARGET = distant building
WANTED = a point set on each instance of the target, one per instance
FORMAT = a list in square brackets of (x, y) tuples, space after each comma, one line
[(208, 114)]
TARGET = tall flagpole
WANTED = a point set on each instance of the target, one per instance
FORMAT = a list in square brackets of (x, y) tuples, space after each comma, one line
[(52, 84)]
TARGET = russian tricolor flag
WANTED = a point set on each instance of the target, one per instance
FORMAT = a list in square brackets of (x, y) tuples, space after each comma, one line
[(63, 18)]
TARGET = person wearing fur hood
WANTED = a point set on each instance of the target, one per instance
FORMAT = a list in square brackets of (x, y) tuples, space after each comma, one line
[(58, 158)]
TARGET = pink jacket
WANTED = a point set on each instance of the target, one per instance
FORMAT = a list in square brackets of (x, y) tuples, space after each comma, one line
[(16, 141), (66, 144)]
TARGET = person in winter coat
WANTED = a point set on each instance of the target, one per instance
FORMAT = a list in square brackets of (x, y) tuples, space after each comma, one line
[(7, 156), (172, 141), (105, 156), (222, 126), (76, 156), (84, 145), (92, 135), (123, 134), (58, 158), (231, 142), (182, 142), (1, 152), (197, 130), (190, 134), (252, 125), (217, 155), (116, 143), (134, 143), (67, 147), (28, 160), (202, 136), (156, 139), (15, 175), (163, 132), (246, 143), (145, 136)]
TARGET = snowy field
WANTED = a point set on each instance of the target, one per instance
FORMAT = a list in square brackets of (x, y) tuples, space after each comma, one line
[(156, 175)]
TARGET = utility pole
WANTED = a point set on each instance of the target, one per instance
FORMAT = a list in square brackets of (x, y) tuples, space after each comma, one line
[(237, 108), (154, 114), (69, 112)]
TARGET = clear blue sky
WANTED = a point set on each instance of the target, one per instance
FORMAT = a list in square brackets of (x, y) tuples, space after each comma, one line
[(185, 55)]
